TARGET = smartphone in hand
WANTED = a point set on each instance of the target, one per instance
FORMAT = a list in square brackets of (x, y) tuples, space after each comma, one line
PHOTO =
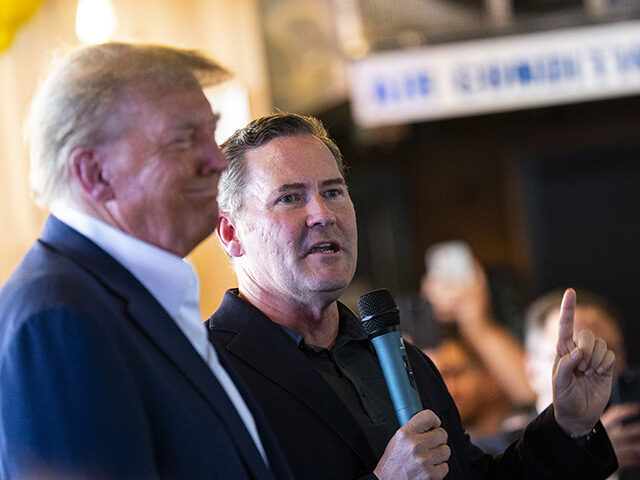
[(626, 389), (450, 262)]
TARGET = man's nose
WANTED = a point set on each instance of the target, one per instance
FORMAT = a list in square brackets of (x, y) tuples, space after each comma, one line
[(212, 160), (318, 212)]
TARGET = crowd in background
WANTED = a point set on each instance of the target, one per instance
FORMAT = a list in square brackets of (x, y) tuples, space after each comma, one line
[(496, 354)]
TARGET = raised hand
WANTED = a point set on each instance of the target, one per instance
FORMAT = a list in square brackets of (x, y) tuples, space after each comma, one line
[(582, 374), (466, 303), (418, 450)]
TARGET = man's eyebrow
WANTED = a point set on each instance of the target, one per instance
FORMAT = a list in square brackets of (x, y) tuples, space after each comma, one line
[(190, 124), (299, 186), (291, 186), (333, 181)]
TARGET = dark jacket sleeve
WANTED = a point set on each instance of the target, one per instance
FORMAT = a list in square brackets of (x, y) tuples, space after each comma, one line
[(544, 451)]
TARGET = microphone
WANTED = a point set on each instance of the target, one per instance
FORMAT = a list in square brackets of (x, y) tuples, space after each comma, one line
[(381, 319)]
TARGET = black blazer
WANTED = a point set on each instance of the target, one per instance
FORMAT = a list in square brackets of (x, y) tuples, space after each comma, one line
[(97, 381), (322, 440)]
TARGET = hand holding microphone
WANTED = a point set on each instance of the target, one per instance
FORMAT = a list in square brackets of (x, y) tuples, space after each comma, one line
[(419, 448)]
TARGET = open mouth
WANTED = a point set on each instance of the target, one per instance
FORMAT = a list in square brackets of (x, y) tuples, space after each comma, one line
[(324, 247)]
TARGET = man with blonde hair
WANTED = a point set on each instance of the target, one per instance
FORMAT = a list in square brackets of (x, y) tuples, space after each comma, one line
[(105, 367)]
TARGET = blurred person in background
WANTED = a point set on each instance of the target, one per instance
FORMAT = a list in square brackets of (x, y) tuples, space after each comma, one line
[(481, 361), (479, 399), (456, 287), (487, 414), (594, 313), (456, 299)]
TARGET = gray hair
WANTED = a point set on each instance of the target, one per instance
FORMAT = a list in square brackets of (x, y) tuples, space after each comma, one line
[(260, 131), (78, 102)]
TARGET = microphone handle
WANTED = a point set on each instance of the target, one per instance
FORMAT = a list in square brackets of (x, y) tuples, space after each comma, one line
[(395, 368)]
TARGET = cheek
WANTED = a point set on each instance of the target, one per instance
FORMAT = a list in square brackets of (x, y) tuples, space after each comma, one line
[(349, 231), (350, 220), (284, 233), (164, 177), (266, 236), (262, 238)]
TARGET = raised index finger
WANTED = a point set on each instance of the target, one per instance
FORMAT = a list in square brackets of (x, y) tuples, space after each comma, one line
[(565, 333)]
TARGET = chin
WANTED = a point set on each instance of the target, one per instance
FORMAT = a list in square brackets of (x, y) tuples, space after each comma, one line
[(332, 289)]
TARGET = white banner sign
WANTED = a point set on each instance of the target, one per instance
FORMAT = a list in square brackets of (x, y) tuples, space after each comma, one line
[(506, 73)]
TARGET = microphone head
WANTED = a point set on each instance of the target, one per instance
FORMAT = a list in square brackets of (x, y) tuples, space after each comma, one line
[(378, 311)]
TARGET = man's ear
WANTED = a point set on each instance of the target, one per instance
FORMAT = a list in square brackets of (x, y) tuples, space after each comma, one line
[(228, 236), (87, 169)]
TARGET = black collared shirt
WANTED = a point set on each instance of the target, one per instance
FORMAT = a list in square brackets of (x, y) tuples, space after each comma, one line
[(351, 368)]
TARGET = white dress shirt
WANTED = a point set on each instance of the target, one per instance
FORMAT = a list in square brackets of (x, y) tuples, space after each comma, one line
[(173, 283)]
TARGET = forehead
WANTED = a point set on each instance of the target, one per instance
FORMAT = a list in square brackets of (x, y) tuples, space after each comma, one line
[(289, 160), (177, 109)]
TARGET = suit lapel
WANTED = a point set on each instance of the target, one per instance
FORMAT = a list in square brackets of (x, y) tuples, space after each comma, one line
[(277, 461), (268, 349), (158, 327)]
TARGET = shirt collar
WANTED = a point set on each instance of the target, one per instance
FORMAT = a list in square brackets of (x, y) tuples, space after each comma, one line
[(349, 329), (169, 278)]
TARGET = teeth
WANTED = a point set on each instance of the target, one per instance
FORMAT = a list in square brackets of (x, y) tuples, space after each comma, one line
[(323, 248)]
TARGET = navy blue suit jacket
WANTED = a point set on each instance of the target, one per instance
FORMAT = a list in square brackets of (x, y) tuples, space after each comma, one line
[(322, 439), (98, 382)]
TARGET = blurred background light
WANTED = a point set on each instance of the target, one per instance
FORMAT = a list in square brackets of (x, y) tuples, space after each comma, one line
[(96, 21), (231, 101)]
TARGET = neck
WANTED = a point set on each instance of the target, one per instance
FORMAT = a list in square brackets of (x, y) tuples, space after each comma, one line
[(164, 239), (316, 321), (94, 210)]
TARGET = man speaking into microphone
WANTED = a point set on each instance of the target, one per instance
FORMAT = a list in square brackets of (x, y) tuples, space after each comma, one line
[(289, 226)]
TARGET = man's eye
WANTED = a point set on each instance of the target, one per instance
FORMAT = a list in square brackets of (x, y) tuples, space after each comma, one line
[(332, 193), (288, 198), (185, 140)]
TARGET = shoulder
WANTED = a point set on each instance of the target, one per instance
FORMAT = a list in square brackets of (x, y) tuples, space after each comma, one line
[(422, 363), (235, 315), (431, 386), (48, 291), (45, 280)]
